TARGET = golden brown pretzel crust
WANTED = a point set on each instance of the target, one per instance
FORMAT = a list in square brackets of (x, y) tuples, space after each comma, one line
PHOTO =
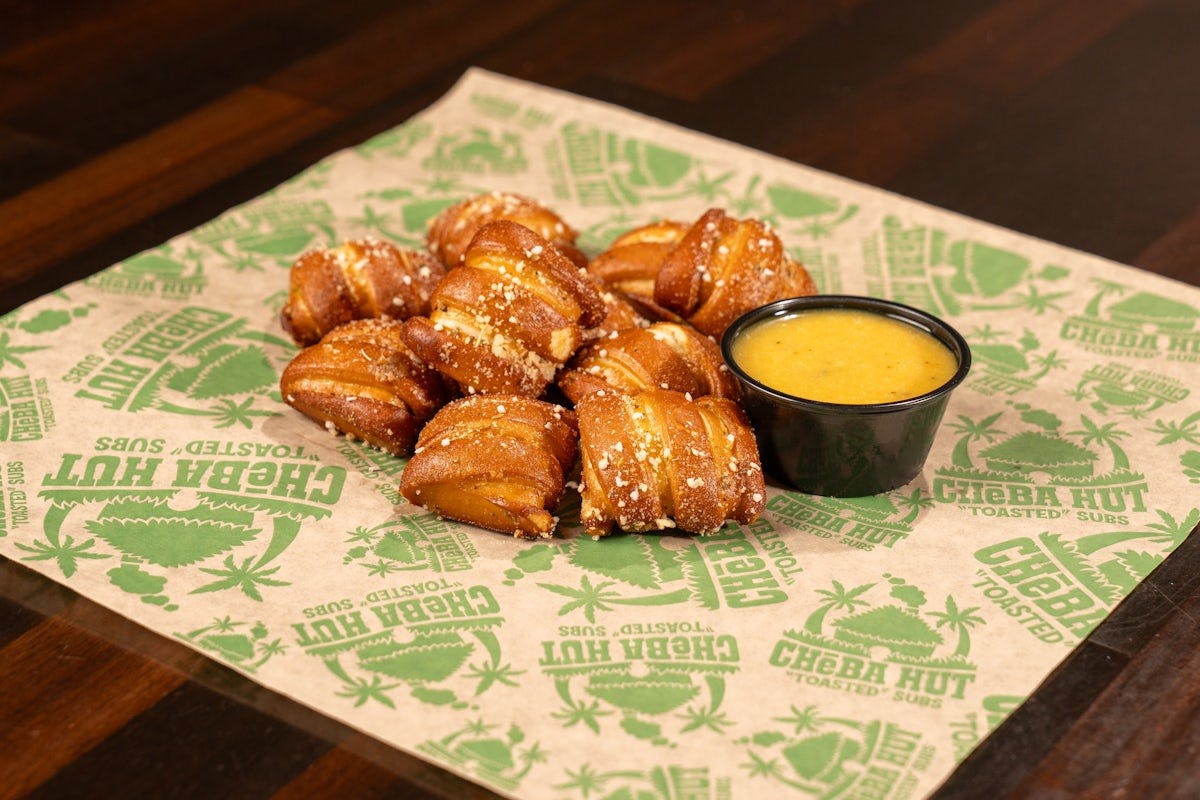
[(631, 263), (451, 231), (620, 314), (724, 267), (496, 461), (659, 460), (361, 380), (509, 316), (360, 279), (663, 356)]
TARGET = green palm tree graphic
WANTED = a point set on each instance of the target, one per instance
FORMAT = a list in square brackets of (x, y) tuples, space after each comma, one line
[(801, 720), (9, 352), (1106, 435), (1169, 532), (707, 716), (363, 690), (1103, 289), (839, 598), (960, 620), (970, 432), (916, 502), (1186, 430), (1039, 303), (599, 597), (1047, 363), (66, 552), (577, 711), (588, 780)]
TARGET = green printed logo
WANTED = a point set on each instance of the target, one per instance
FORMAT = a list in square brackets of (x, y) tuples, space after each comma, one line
[(920, 266), (419, 635), (1120, 389), (797, 211), (248, 650), (268, 230), (1140, 325), (477, 152), (397, 142), (1041, 471), (852, 645), (167, 517), (509, 110), (195, 361), (736, 568), (379, 467), (26, 412), (13, 351), (502, 761), (1059, 589), (860, 522), (834, 757), (45, 320), (1008, 367), (662, 679), (821, 265), (601, 168), (408, 211), (14, 502), (1186, 430), (969, 730), (671, 782), (423, 542), (156, 272)]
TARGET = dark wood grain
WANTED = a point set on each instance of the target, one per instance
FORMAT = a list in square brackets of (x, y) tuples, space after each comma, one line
[(123, 123)]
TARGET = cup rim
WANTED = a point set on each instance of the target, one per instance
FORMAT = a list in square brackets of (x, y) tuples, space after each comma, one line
[(928, 322)]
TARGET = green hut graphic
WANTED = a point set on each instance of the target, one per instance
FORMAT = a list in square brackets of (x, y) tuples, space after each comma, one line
[(799, 210), (1110, 564), (272, 231), (921, 266), (1153, 311), (897, 629), (1042, 453), (622, 570), (1134, 320), (826, 757), (1037, 451), (898, 632), (234, 540), (1118, 388), (223, 376), (645, 696), (479, 152), (407, 545), (500, 760), (440, 663), (247, 649)]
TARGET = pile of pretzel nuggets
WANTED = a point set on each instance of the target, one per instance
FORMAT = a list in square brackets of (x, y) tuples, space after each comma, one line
[(501, 360)]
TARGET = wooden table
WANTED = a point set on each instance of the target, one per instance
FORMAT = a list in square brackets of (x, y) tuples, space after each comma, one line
[(123, 123)]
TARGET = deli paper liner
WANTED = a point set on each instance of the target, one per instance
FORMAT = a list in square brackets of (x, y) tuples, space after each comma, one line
[(834, 648)]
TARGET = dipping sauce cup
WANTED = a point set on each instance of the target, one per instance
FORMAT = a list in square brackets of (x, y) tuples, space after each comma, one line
[(845, 449)]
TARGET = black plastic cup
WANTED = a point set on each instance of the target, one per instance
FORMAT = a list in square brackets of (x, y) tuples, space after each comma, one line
[(845, 450)]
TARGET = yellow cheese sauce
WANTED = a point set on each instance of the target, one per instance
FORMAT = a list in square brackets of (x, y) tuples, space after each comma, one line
[(843, 356)]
